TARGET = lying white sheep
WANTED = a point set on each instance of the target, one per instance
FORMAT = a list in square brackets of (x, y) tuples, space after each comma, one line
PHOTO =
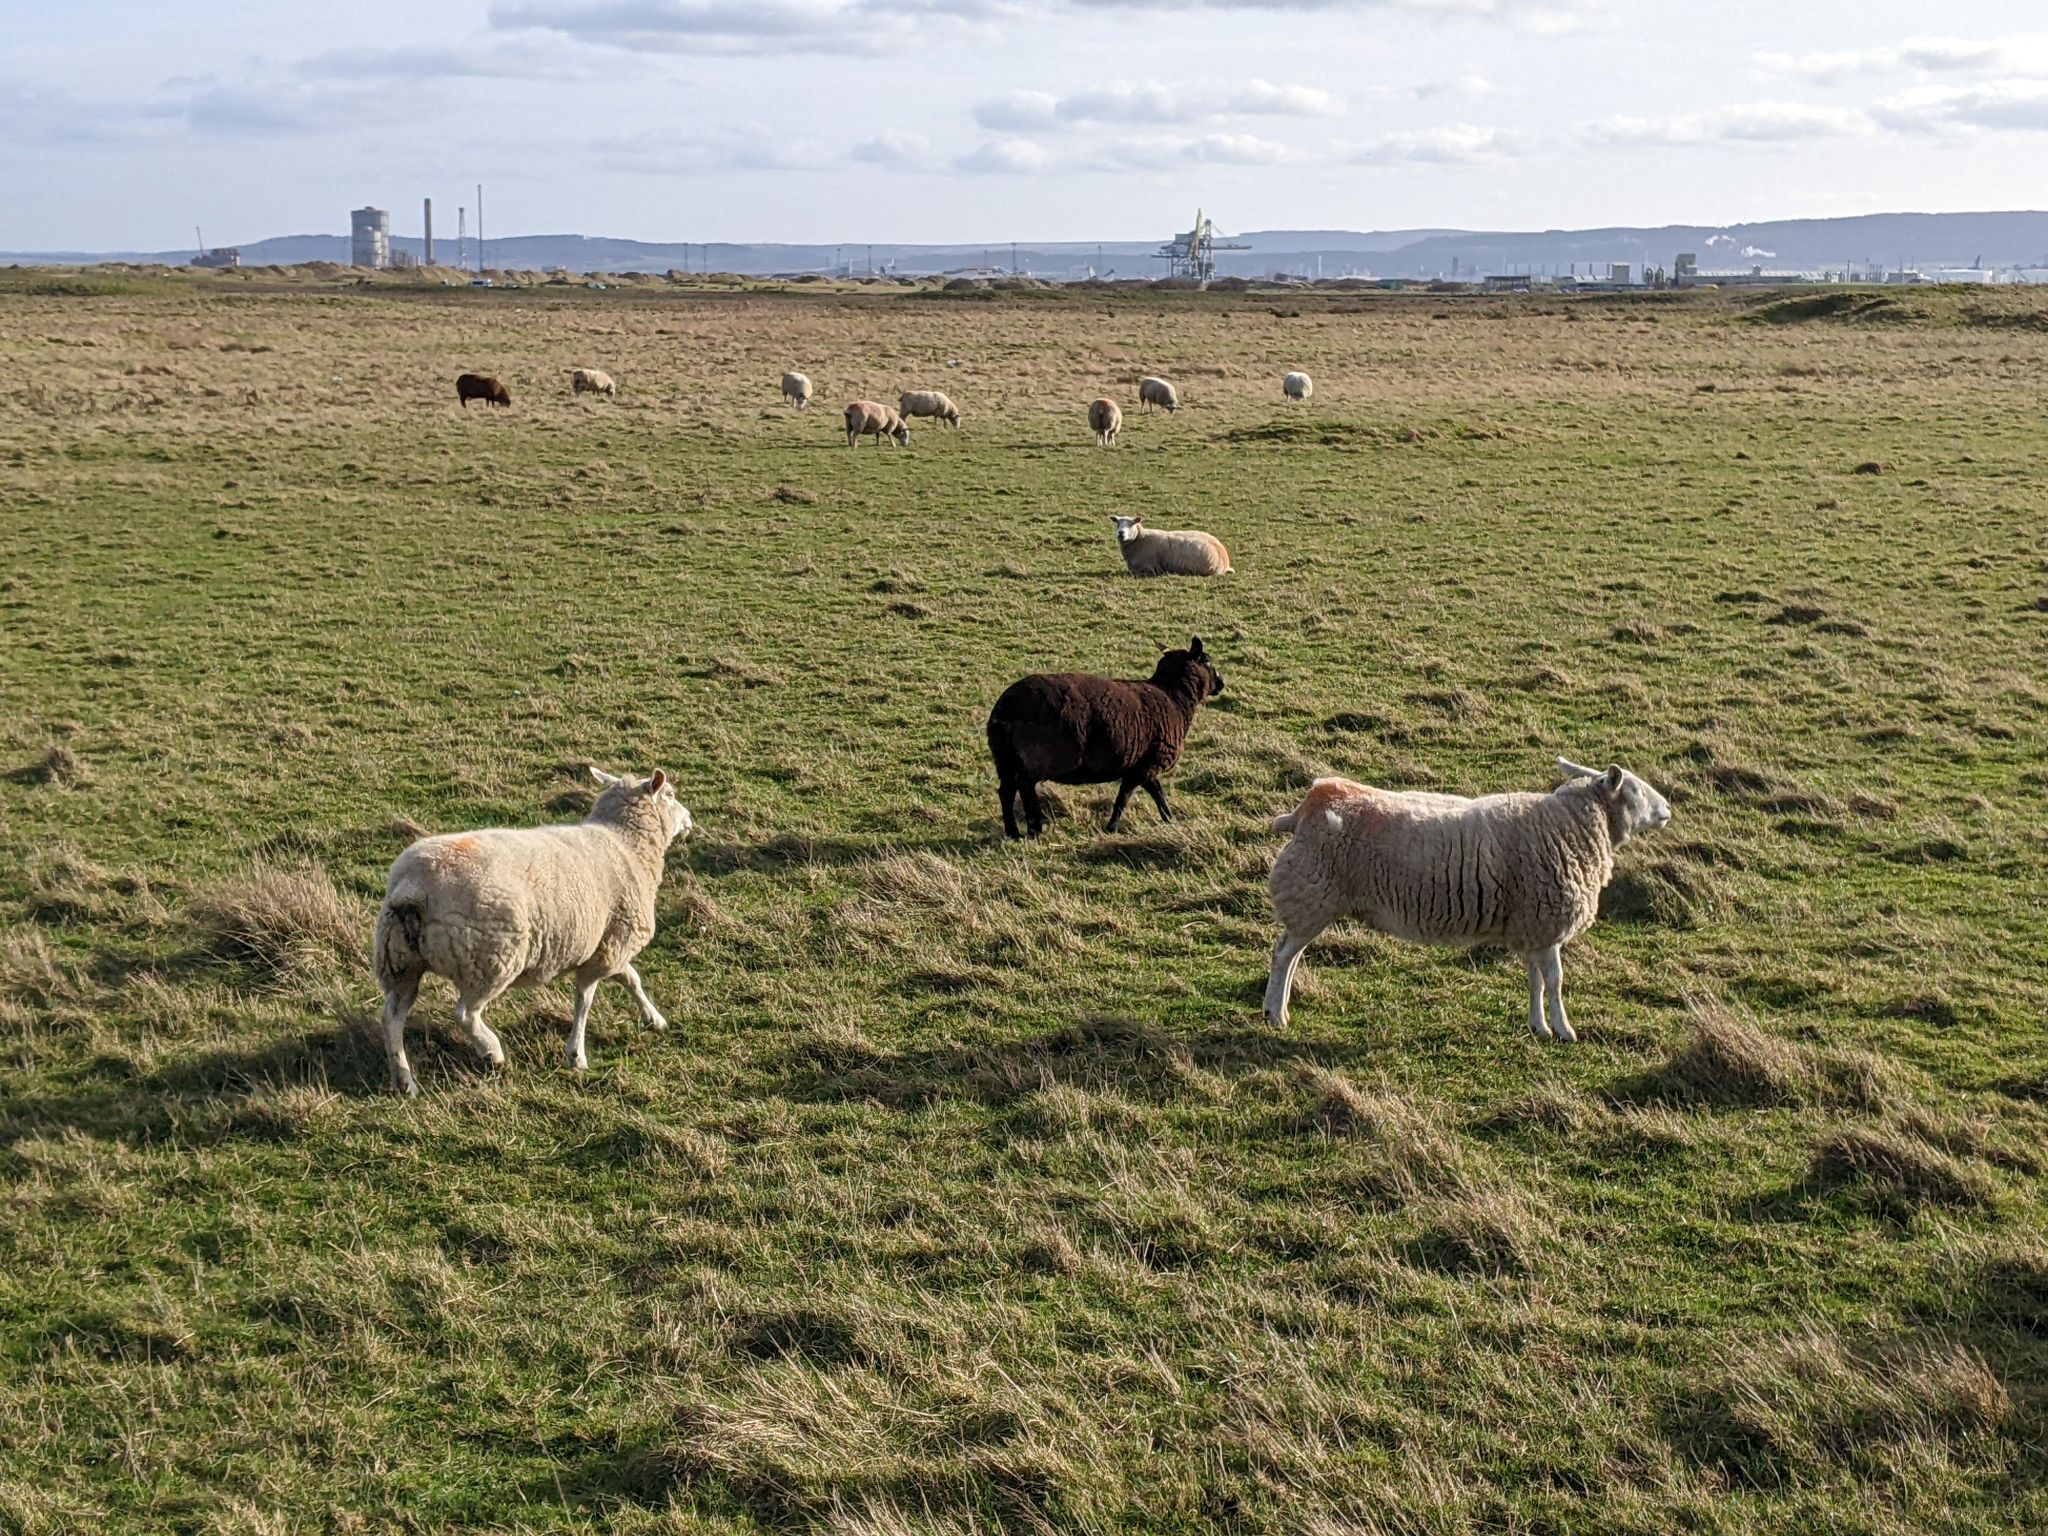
[(929, 402), (592, 381), (1520, 871), (798, 388), (518, 907), (871, 418), (1158, 392), (1105, 420), (1297, 386), (1179, 552)]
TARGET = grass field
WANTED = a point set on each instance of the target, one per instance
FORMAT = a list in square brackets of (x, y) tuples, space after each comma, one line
[(969, 1191)]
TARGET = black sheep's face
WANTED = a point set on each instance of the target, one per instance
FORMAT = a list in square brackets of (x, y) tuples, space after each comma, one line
[(1204, 666)]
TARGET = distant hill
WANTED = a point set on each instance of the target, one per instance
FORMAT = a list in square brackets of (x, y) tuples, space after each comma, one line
[(1888, 240)]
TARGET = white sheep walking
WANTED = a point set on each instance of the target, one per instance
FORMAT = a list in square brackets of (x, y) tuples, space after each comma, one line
[(1521, 871), (506, 907), (1105, 420), (871, 418), (796, 387), (1169, 552), (592, 381), (1297, 386)]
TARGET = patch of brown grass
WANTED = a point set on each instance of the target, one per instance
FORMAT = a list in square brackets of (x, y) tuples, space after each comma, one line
[(1726, 1058), (288, 922)]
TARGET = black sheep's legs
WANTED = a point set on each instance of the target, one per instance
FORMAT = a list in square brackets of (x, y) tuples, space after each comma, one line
[(1158, 794), (1123, 797), (1008, 791), (1034, 813)]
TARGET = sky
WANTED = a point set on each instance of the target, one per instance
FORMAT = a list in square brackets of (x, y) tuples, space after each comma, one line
[(125, 123)]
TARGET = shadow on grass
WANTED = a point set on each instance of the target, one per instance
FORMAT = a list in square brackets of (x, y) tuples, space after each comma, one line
[(1139, 1060)]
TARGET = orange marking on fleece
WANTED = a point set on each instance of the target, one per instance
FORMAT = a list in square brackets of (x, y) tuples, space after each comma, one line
[(1329, 795)]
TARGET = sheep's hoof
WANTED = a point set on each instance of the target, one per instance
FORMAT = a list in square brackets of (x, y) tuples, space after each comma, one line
[(403, 1085), (1563, 1033), (494, 1063), (656, 1022)]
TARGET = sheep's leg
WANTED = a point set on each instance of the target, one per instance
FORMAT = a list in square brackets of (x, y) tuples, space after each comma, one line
[(1158, 793), (1007, 790), (398, 1001), (1034, 813), (1553, 985), (471, 1017), (1280, 981), (586, 989), (649, 1014), (1533, 964), (1123, 798)]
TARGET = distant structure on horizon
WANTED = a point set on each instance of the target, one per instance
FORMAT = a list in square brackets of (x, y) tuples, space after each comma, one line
[(1193, 254), (369, 238)]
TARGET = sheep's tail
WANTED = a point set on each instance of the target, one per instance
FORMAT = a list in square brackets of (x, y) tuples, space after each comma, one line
[(397, 947)]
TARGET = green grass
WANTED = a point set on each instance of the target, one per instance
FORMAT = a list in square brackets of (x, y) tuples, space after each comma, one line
[(968, 1190)]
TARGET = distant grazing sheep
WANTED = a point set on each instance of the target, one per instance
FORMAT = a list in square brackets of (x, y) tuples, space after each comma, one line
[(1183, 552), (481, 386), (1105, 420), (1297, 386), (592, 381), (929, 402), (1076, 728), (1158, 392), (798, 388), (516, 908), (871, 418), (1520, 871)]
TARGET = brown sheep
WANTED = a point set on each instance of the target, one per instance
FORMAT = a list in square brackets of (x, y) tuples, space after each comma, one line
[(1076, 728), (481, 386)]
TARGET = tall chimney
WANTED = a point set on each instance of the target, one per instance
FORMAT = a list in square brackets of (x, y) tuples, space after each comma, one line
[(428, 259)]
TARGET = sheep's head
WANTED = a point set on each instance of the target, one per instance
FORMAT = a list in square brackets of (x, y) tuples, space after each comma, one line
[(1632, 806), (1195, 665), (901, 432), (1128, 528), (630, 798)]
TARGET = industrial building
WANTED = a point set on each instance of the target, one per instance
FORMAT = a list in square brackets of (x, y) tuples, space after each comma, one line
[(369, 238)]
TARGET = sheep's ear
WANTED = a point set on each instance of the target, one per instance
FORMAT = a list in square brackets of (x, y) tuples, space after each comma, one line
[(606, 779), (1570, 770), (1611, 782), (1195, 651), (654, 784)]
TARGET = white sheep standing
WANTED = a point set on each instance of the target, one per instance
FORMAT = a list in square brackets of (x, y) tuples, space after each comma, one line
[(796, 387), (929, 402), (1521, 871), (1297, 386), (592, 381), (1174, 552), (872, 418), (1105, 420), (517, 907), (1158, 392)]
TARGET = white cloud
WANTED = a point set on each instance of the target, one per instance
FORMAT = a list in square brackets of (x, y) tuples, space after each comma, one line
[(1005, 157), (1996, 105), (2019, 53), (500, 59), (1761, 122), (1457, 144), (749, 147), (1469, 85), (1153, 104), (894, 146)]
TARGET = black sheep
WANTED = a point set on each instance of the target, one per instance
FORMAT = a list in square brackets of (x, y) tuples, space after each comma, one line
[(481, 386), (1076, 728)]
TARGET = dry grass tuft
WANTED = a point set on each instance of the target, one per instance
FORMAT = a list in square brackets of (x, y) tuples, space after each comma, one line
[(1727, 1059), (1491, 1231), (288, 922), (1809, 1405), (1899, 1171)]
